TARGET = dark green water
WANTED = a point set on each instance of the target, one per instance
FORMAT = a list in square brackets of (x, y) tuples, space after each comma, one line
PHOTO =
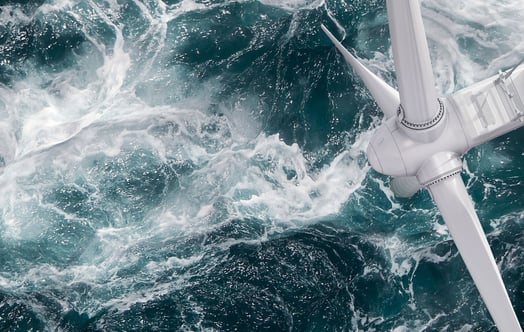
[(200, 166)]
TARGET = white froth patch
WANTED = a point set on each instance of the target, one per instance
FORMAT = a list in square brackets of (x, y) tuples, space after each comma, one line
[(498, 223), (189, 5), (45, 117), (294, 5), (11, 14), (53, 6), (287, 191), (441, 229), (493, 26)]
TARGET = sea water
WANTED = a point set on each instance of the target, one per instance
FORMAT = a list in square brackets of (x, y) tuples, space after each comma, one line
[(199, 165)]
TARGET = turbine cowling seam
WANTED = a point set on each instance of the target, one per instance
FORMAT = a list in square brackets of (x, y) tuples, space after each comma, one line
[(445, 177), (423, 125)]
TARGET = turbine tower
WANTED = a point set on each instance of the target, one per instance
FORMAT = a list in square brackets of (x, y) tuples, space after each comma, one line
[(422, 140)]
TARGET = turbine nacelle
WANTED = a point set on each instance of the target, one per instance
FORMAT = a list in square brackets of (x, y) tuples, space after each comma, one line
[(470, 117)]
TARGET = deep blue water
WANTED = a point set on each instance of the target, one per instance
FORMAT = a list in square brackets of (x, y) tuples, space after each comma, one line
[(199, 166)]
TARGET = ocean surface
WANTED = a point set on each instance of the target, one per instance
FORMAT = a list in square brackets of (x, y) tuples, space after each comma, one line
[(199, 165)]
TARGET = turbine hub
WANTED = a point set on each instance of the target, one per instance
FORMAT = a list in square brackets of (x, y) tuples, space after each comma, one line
[(395, 152)]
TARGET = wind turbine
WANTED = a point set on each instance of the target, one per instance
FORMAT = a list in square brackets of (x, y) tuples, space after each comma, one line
[(422, 140)]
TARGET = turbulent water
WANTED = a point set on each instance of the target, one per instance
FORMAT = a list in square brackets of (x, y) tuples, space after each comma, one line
[(200, 165)]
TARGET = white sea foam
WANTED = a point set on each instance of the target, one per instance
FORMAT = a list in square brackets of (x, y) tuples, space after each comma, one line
[(11, 14), (277, 194), (293, 5), (471, 40)]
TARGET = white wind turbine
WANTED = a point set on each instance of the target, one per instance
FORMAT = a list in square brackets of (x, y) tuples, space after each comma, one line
[(421, 142)]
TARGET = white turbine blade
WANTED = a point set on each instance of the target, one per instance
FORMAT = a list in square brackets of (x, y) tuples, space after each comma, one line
[(386, 97), (416, 84), (492, 107), (405, 186), (457, 209)]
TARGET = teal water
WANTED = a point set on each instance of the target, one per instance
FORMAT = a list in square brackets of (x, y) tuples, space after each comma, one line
[(199, 165)]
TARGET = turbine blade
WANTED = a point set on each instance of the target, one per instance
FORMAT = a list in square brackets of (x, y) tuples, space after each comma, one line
[(457, 209), (405, 186), (386, 97), (492, 107), (416, 84)]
